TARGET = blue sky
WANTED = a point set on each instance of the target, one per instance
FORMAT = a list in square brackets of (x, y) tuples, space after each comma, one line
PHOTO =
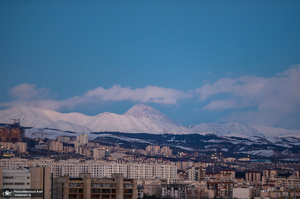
[(195, 61)]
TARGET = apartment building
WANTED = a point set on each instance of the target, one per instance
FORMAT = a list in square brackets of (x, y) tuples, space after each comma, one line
[(35, 178), (292, 183), (221, 189), (20, 147), (166, 151), (10, 134), (156, 150), (97, 168), (82, 139), (98, 153), (269, 177), (151, 187), (85, 186), (196, 173), (253, 176), (153, 150), (100, 170), (64, 139), (163, 171), (56, 146), (227, 175)]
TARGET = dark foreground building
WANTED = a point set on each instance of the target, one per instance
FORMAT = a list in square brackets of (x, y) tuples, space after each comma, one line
[(86, 187)]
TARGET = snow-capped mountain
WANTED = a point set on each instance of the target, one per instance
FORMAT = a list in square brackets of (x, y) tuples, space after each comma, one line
[(229, 129), (139, 119), (235, 129)]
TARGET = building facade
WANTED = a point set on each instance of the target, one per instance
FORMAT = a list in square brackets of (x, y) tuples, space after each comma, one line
[(35, 178), (85, 186)]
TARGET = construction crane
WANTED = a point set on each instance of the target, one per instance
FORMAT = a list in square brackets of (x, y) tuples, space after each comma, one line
[(16, 121)]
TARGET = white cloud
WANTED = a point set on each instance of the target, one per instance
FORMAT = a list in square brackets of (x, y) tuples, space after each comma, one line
[(222, 104), (29, 95), (271, 99), (148, 94), (280, 93), (24, 92)]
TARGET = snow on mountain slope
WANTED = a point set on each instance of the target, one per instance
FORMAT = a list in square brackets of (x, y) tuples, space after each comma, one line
[(80, 123), (132, 124), (139, 119), (41, 118), (30, 116), (229, 129), (67, 126), (53, 134), (141, 110), (277, 132)]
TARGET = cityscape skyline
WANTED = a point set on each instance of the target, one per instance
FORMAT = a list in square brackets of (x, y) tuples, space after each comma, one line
[(195, 62)]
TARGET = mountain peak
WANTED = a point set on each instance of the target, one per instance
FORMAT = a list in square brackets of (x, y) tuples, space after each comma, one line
[(141, 110)]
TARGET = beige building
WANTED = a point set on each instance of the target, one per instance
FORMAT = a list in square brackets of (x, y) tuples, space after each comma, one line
[(65, 139), (37, 178), (221, 189), (98, 153), (20, 147), (84, 187), (151, 187), (227, 174), (82, 139), (153, 150), (166, 151), (269, 177), (253, 176), (56, 146), (156, 150), (292, 182)]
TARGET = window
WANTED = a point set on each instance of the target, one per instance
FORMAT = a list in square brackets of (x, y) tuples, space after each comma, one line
[(19, 183), (75, 185), (20, 177), (105, 190), (127, 190), (8, 177), (107, 185)]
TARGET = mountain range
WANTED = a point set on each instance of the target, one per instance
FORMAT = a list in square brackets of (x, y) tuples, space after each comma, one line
[(139, 119)]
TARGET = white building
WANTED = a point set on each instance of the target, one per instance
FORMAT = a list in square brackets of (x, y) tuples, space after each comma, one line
[(98, 169)]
